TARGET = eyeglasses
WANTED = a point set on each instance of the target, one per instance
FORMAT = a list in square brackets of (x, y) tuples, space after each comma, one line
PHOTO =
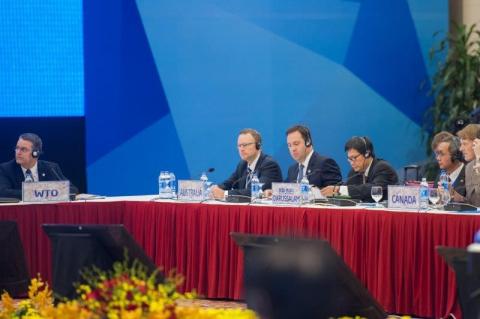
[(22, 149), (353, 158), (439, 154), (243, 145)]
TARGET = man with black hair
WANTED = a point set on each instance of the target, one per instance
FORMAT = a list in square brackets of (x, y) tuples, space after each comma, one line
[(320, 170), (26, 167), (367, 171)]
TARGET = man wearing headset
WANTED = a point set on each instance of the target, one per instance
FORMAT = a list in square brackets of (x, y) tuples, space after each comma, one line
[(253, 161), (320, 171), (367, 171), (26, 167), (449, 158)]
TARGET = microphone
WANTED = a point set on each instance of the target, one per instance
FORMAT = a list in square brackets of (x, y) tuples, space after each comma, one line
[(55, 173), (208, 170)]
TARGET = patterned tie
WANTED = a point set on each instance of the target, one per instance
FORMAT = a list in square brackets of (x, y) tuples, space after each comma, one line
[(300, 173), (28, 176), (249, 177)]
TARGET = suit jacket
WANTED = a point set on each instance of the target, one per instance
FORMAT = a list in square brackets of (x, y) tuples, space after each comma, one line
[(472, 185), (321, 171), (380, 174), (11, 177), (267, 170)]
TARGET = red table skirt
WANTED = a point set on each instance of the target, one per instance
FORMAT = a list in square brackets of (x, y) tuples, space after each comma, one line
[(392, 253)]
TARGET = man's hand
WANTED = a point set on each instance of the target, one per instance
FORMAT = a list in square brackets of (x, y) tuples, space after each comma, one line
[(328, 191), (218, 193)]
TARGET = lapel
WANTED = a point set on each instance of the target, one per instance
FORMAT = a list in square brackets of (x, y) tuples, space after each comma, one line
[(19, 177), (310, 164), (370, 171), (42, 171), (460, 178)]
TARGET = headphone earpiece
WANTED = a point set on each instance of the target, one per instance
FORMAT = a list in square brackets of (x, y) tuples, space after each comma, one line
[(456, 154), (258, 145), (367, 151), (35, 153)]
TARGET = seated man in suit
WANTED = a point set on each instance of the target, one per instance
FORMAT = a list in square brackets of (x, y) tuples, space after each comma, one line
[(320, 171), (367, 171), (26, 167), (449, 158), (253, 161), (469, 147)]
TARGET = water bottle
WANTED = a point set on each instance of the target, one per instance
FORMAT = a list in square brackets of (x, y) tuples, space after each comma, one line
[(424, 194), (173, 185), (444, 182), (163, 187), (305, 190), (255, 187), (204, 179)]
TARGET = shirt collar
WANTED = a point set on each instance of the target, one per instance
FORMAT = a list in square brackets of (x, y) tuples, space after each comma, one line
[(453, 175), (254, 163), (34, 171)]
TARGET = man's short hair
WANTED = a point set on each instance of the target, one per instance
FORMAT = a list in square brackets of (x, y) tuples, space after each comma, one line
[(469, 132), (36, 141), (445, 137), (361, 144), (304, 131), (256, 136)]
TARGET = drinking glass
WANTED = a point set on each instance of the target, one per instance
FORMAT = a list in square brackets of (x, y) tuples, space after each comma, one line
[(433, 196), (377, 194)]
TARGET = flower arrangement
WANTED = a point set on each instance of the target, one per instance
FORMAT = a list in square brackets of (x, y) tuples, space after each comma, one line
[(126, 292)]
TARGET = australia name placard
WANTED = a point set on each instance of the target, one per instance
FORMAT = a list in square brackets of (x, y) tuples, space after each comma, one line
[(53, 191), (286, 194), (405, 197), (190, 190)]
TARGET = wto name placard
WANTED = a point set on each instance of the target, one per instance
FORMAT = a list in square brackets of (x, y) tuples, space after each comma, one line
[(190, 190), (286, 194), (52, 191), (404, 197)]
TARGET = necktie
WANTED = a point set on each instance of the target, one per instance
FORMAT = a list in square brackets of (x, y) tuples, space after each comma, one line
[(249, 177), (28, 176), (300, 173)]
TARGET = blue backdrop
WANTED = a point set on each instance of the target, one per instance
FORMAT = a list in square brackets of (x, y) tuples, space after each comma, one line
[(168, 84)]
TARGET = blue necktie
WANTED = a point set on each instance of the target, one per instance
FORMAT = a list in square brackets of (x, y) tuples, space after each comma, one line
[(249, 177), (300, 173), (28, 176)]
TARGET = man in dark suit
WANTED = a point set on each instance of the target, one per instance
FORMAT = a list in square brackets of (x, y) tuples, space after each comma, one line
[(26, 167), (320, 171), (449, 158), (254, 161), (367, 171)]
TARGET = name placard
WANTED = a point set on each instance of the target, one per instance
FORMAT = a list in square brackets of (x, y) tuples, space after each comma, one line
[(286, 194), (190, 190), (52, 191), (405, 197)]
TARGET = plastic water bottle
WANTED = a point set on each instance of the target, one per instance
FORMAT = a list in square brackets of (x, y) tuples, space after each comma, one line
[(305, 190), (204, 179), (163, 187), (473, 263), (444, 181), (173, 186), (255, 187), (424, 194)]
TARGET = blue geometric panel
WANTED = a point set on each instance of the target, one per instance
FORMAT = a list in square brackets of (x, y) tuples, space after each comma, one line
[(385, 53), (124, 93)]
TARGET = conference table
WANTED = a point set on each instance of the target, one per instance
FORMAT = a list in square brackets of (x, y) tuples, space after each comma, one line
[(392, 252)]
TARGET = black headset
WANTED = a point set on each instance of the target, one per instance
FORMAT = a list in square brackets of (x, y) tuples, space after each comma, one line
[(455, 154), (367, 153), (305, 132), (36, 153)]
